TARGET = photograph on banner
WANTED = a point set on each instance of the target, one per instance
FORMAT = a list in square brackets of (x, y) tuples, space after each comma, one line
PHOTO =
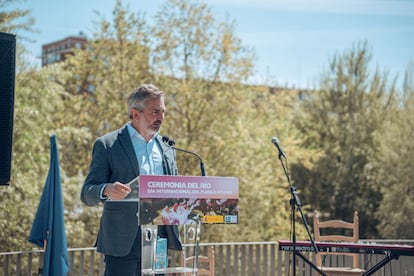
[(174, 200)]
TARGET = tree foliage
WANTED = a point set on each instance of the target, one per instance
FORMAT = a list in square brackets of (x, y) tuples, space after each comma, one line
[(120, 53), (14, 19), (341, 121), (17, 21), (190, 43), (37, 102), (394, 165), (100, 78), (335, 138)]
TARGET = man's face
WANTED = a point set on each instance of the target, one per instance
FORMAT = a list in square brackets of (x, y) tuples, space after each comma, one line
[(149, 121)]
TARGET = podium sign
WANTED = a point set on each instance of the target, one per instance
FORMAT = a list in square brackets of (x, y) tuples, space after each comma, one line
[(175, 200)]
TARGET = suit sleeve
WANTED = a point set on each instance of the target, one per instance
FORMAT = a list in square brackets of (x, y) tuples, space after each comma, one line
[(98, 175)]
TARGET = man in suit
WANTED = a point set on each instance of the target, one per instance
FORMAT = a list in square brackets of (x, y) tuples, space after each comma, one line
[(117, 158)]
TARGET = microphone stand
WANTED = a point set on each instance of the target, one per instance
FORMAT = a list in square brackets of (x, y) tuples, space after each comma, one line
[(171, 144), (295, 202), (198, 230), (203, 171)]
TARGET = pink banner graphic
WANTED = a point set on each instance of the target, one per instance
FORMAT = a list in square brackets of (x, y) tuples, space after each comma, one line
[(164, 186), (171, 200)]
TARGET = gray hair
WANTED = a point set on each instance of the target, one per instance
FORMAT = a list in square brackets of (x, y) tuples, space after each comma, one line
[(141, 95)]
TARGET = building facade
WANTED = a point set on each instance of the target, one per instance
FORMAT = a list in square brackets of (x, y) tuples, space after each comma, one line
[(58, 50)]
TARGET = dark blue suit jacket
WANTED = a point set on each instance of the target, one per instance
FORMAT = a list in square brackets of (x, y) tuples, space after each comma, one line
[(114, 159)]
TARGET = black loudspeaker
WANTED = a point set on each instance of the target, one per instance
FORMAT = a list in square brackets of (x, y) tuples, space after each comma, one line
[(7, 81)]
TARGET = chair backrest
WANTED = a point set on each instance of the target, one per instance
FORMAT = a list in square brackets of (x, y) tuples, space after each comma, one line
[(349, 232), (205, 263)]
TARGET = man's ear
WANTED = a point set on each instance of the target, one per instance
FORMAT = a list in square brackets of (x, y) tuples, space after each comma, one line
[(135, 113)]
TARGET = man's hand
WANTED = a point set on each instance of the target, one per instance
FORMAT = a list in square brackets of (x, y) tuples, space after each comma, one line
[(116, 190)]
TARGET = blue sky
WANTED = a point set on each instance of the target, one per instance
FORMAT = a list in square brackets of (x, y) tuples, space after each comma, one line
[(293, 39)]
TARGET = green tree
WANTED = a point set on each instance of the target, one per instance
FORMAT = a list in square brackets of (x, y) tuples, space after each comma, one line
[(17, 21), (202, 64), (98, 81), (37, 101), (205, 111), (394, 164), (14, 20), (30, 135), (190, 43), (341, 122), (100, 78), (200, 61), (209, 111)]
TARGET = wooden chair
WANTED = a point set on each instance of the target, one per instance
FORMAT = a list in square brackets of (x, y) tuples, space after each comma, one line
[(344, 235), (205, 263)]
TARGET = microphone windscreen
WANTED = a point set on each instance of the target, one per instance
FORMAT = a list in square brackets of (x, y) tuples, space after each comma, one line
[(166, 139)]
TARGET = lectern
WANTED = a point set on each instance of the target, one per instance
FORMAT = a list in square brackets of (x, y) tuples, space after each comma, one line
[(190, 201)]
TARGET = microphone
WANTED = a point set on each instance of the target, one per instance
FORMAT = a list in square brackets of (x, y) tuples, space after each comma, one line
[(170, 142), (275, 141), (167, 140)]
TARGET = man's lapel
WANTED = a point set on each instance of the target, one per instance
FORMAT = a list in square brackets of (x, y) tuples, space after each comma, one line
[(126, 143)]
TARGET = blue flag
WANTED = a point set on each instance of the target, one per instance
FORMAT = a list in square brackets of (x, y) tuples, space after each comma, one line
[(48, 229)]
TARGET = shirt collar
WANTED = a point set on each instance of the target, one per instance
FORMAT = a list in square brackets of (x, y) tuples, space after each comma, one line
[(134, 133)]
